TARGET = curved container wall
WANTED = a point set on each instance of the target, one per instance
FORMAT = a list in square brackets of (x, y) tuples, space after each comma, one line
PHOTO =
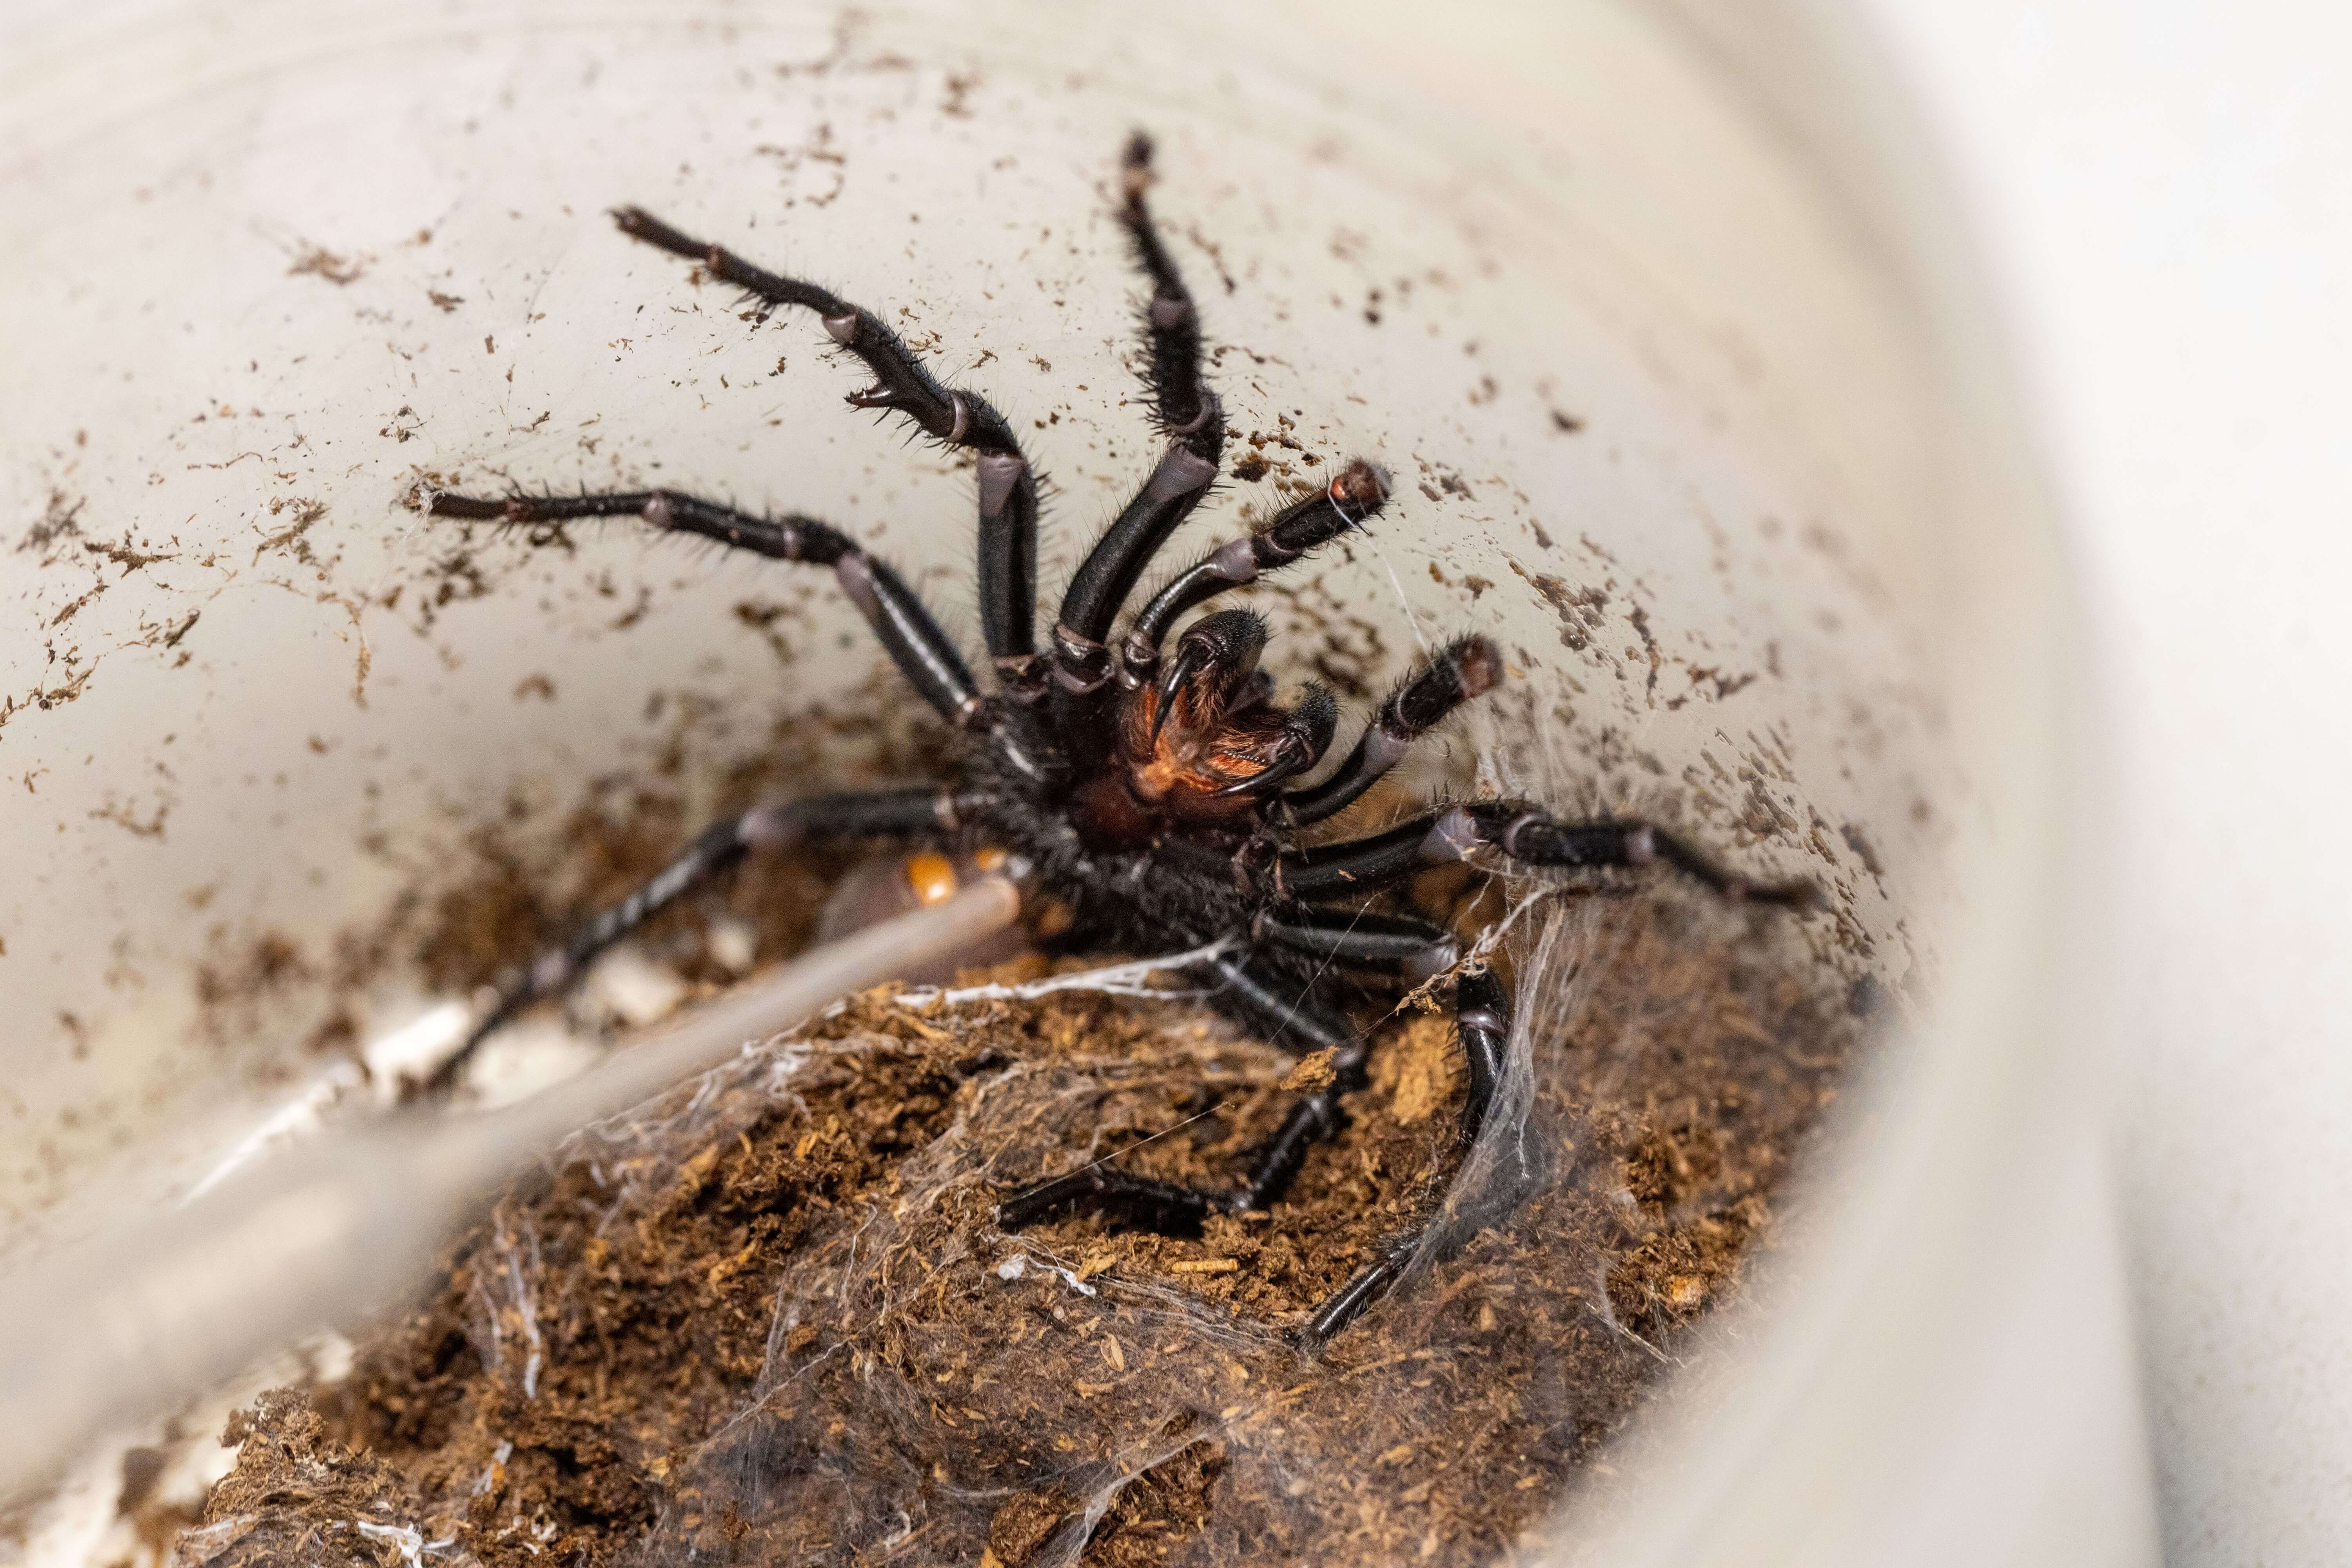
[(1656, 316)]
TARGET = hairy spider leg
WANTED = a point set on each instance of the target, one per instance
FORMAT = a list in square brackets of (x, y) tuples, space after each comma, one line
[(1282, 1009), (1481, 1027), (1405, 944), (864, 814), (1008, 485), (1523, 833), (1082, 688), (1465, 668), (1353, 496), (1188, 412), (1084, 706), (914, 640), (1482, 1024), (1289, 1014), (1286, 1013), (1184, 405)]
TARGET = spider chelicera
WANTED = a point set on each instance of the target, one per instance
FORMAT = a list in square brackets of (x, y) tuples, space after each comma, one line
[(1153, 802)]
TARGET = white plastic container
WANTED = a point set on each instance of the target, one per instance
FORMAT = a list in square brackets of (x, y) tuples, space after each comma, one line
[(1664, 306)]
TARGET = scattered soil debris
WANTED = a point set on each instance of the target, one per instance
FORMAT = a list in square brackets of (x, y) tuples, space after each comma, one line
[(317, 261), (59, 520), (307, 512)]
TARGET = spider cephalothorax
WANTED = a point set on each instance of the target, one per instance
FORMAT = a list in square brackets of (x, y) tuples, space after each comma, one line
[(1149, 793)]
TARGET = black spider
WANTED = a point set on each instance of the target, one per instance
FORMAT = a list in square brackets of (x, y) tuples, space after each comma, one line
[(1143, 797)]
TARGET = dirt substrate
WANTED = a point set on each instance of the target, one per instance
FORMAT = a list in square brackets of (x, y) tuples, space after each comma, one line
[(769, 1318)]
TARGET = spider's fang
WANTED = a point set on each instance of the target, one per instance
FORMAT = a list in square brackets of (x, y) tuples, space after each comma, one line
[(1229, 643), (1265, 778), (1191, 658), (1305, 736)]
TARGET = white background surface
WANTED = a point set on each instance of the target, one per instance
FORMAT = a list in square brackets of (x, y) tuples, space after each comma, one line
[(2165, 193)]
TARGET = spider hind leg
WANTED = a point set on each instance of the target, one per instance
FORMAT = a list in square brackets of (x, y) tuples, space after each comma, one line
[(1286, 1013), (1251, 991), (1527, 835), (879, 814), (1481, 1023)]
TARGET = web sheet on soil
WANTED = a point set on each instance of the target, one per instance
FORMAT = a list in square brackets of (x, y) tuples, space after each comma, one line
[(769, 1318)]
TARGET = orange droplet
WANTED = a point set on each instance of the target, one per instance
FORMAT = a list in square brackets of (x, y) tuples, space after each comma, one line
[(932, 876), (990, 858)]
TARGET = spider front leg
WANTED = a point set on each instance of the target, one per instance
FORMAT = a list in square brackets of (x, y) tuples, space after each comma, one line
[(1008, 485), (1188, 414), (1181, 401), (1525, 834), (880, 813), (1465, 668), (912, 637), (1353, 496), (1403, 944)]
